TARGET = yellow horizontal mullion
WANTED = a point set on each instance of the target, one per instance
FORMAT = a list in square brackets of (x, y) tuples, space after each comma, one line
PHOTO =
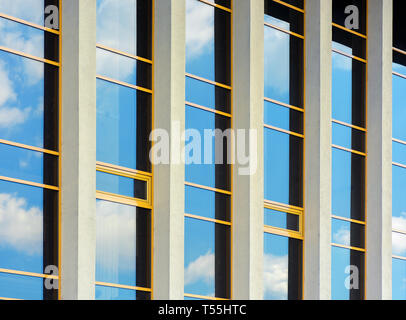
[(29, 183), (24, 146), (195, 185), (122, 286), (10, 299), (28, 274), (197, 296), (399, 51), (289, 5), (29, 56), (116, 198), (214, 83), (197, 217), (284, 131), (216, 5), (347, 247), (283, 232), (124, 84), (123, 169), (198, 106), (348, 220), (284, 30), (350, 125), (30, 24), (283, 210), (283, 205), (351, 56), (284, 104), (122, 53), (349, 150), (349, 30)]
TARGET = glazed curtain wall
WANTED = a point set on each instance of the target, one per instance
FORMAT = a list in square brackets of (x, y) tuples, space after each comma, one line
[(124, 172), (349, 152), (283, 149), (399, 155), (208, 191), (29, 148)]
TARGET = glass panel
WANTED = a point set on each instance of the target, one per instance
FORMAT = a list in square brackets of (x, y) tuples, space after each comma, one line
[(283, 67), (282, 117), (349, 43), (28, 165), (398, 279), (283, 167), (399, 199), (224, 3), (122, 244), (207, 204), (296, 3), (399, 64), (284, 17), (125, 25), (125, 69), (201, 167), (32, 41), (24, 211), (120, 185), (21, 287), (349, 138), (348, 90), (340, 16), (282, 268), (123, 126), (281, 220), (207, 264), (399, 153), (399, 244), (399, 37), (348, 234), (108, 293), (399, 107), (347, 274), (348, 183), (29, 10), (28, 115), (208, 95), (208, 42)]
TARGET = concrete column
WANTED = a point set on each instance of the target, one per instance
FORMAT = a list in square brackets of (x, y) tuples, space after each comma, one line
[(379, 161), (78, 149), (169, 110), (318, 159), (248, 113)]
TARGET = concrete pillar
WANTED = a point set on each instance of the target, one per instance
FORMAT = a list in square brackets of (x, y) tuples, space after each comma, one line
[(379, 146), (169, 113), (78, 150), (318, 159), (248, 113)]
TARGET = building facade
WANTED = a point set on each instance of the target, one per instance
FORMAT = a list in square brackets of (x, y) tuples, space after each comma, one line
[(202, 149)]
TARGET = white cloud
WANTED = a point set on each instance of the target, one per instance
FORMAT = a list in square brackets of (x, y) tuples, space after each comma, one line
[(202, 268), (342, 236), (199, 28), (399, 240), (275, 276), (20, 225), (31, 10), (7, 91)]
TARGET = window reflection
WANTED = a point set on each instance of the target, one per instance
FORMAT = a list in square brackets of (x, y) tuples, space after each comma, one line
[(29, 10), (109, 293), (399, 279), (21, 287)]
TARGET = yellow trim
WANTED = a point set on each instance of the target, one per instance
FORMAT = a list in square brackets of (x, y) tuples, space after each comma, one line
[(349, 55), (196, 296), (194, 105), (399, 74), (349, 150), (399, 141), (299, 135), (214, 83), (208, 188), (399, 51), (29, 56), (284, 207), (289, 6), (349, 30), (29, 183), (348, 247), (399, 165), (28, 274), (152, 145), (10, 299), (124, 84), (284, 104), (284, 30), (128, 171), (349, 125), (283, 232), (197, 217), (122, 286), (348, 220), (30, 24), (122, 53), (216, 5), (111, 197), (60, 158), (27, 147)]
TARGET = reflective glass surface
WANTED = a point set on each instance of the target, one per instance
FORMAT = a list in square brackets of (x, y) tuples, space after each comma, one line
[(108, 293), (399, 107), (347, 233), (120, 25), (347, 274), (283, 67), (283, 167), (201, 167), (283, 16), (399, 153), (283, 117), (29, 10), (207, 203), (358, 9), (122, 244), (21, 287), (399, 244), (208, 42), (207, 266), (120, 185), (282, 268), (349, 43), (281, 220), (28, 114), (123, 126), (349, 138), (398, 279)]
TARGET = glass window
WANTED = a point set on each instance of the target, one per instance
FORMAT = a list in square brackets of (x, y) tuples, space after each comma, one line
[(282, 268), (283, 220), (284, 17), (399, 279), (111, 293), (348, 234), (21, 287), (29, 10), (399, 199), (349, 138), (399, 107), (340, 15), (120, 185), (282, 117), (207, 263)]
